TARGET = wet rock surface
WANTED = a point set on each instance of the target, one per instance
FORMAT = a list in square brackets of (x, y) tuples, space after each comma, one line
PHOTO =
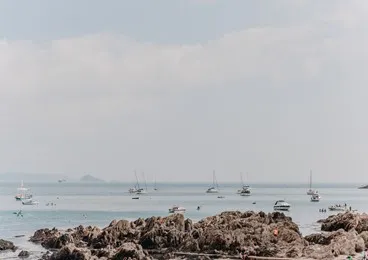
[(223, 234)]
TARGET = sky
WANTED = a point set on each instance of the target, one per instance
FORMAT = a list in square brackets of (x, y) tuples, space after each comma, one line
[(179, 88)]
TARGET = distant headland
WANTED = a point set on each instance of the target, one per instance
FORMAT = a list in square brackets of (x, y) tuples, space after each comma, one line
[(90, 178)]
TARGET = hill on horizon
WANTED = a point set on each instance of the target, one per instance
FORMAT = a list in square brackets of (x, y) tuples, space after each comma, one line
[(90, 178)]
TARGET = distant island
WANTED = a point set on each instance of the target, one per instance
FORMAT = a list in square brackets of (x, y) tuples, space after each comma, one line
[(90, 178)]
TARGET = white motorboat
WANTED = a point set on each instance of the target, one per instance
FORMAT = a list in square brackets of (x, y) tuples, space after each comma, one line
[(315, 198), (177, 209), (311, 191), (30, 202), (281, 205), (338, 207), (214, 188), (23, 193)]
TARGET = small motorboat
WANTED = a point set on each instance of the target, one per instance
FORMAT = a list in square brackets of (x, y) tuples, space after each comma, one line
[(30, 202), (281, 205), (135, 198), (315, 198), (177, 209), (338, 207), (220, 197)]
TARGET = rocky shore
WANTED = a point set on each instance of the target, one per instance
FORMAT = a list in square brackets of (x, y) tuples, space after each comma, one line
[(220, 236)]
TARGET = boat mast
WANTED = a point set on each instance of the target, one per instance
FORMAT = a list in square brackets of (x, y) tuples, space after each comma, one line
[(241, 179), (215, 180), (310, 180), (136, 177), (145, 182)]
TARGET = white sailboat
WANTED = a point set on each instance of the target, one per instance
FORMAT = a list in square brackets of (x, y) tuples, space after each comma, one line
[(142, 191), (155, 185), (23, 193), (311, 191), (214, 188), (245, 190)]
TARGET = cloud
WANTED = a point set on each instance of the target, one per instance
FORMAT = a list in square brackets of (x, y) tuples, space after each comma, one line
[(108, 85)]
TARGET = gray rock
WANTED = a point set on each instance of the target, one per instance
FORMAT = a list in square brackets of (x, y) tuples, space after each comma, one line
[(6, 245), (24, 254)]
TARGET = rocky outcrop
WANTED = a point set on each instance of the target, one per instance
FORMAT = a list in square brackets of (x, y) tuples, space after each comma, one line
[(332, 244), (346, 221), (6, 245), (221, 235)]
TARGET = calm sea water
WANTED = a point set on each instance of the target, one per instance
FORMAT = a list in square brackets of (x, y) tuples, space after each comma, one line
[(99, 203)]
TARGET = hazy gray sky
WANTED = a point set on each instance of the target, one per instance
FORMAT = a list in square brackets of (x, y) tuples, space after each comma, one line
[(179, 88)]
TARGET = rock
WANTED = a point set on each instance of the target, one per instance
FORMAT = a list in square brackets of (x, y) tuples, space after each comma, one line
[(224, 234), (334, 244), (72, 253), (346, 221), (364, 236), (23, 254), (42, 236), (6, 245), (130, 251)]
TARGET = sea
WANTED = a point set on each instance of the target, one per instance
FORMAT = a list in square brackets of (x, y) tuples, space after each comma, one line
[(64, 205)]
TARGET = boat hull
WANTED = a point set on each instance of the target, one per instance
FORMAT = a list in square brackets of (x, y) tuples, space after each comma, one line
[(281, 208), (212, 191)]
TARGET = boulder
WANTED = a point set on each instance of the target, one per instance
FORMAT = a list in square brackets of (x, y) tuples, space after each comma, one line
[(72, 253), (333, 244), (346, 221), (6, 245), (130, 251), (43, 235), (23, 254)]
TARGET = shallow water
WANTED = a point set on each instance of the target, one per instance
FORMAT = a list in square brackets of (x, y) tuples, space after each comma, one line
[(98, 204)]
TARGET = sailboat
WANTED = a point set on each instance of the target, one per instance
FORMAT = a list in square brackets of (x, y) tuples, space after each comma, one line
[(311, 191), (141, 190), (245, 190), (23, 193), (155, 185), (136, 187), (214, 188)]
